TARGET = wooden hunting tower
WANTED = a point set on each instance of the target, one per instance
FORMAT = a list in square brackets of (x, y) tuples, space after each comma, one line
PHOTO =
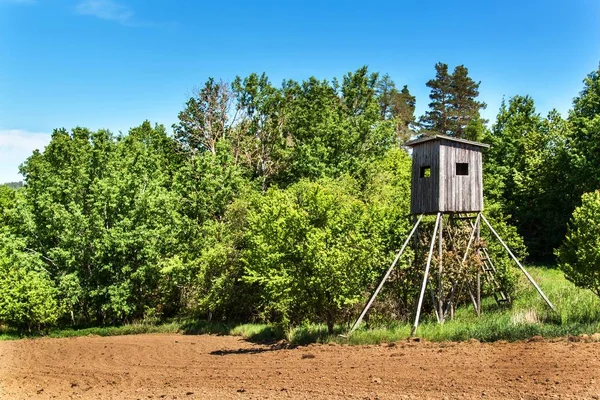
[(447, 178), (447, 175)]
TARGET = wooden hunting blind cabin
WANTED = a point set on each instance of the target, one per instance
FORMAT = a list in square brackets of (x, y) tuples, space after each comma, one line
[(447, 175)]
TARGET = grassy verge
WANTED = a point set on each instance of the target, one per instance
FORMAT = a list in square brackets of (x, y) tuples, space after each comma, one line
[(578, 313)]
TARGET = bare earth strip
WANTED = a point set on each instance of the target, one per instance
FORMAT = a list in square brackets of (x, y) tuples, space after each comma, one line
[(225, 367)]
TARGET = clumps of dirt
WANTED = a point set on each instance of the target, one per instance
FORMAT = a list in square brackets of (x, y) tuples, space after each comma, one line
[(226, 367), (585, 338)]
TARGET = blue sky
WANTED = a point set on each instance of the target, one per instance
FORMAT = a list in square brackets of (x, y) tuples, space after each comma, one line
[(114, 63)]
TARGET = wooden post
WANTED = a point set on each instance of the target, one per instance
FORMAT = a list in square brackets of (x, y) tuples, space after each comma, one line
[(440, 301), (435, 310), (425, 276), (478, 228), (518, 263), (385, 277), (478, 293), (416, 241)]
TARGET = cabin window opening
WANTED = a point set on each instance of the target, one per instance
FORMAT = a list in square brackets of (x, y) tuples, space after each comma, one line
[(425, 171), (462, 169)]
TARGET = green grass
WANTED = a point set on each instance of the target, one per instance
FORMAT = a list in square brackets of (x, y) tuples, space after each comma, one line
[(578, 313), (130, 329), (254, 332)]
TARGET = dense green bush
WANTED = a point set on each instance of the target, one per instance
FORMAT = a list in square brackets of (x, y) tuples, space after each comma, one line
[(312, 248), (579, 255), (28, 297)]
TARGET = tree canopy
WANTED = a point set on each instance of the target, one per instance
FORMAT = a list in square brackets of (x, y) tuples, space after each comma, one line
[(278, 203), (453, 104)]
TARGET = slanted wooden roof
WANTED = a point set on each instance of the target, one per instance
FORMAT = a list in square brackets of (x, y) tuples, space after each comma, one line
[(424, 139)]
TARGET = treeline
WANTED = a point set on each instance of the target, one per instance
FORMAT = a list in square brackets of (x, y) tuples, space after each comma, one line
[(277, 203), (14, 185)]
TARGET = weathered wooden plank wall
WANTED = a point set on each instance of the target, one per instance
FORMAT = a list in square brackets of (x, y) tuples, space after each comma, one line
[(461, 193), (444, 190), (425, 191)]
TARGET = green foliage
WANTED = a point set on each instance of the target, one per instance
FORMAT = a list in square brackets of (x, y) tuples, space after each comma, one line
[(584, 141), (506, 272), (100, 209), (14, 185), (579, 311), (313, 115), (453, 102), (528, 157), (334, 129), (28, 297), (259, 142), (7, 201), (579, 255), (312, 248), (387, 191), (277, 203), (204, 121), (398, 106)]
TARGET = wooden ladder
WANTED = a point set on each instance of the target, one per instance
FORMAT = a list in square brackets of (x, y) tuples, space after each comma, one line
[(488, 269), (489, 273)]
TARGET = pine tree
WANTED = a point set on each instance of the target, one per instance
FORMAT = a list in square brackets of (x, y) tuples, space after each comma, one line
[(436, 120), (404, 109), (463, 104), (453, 102), (398, 106)]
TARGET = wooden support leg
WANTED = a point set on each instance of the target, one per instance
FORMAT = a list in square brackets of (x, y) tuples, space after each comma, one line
[(425, 276), (440, 300), (385, 277), (518, 263), (477, 227), (478, 292), (435, 309)]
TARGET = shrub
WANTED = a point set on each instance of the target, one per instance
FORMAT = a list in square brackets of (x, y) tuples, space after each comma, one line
[(579, 255), (28, 297), (312, 249)]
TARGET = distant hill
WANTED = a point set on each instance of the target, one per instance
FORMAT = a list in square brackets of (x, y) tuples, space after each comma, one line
[(14, 185)]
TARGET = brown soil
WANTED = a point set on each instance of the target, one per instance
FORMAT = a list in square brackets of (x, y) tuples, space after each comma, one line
[(215, 367)]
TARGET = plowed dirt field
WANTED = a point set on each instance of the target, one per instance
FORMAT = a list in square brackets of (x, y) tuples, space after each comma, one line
[(226, 367)]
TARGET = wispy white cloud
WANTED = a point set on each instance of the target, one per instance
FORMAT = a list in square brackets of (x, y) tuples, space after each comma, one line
[(106, 9), (15, 146), (116, 11)]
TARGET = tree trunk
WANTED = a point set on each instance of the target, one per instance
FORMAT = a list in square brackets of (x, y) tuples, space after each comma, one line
[(330, 325)]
